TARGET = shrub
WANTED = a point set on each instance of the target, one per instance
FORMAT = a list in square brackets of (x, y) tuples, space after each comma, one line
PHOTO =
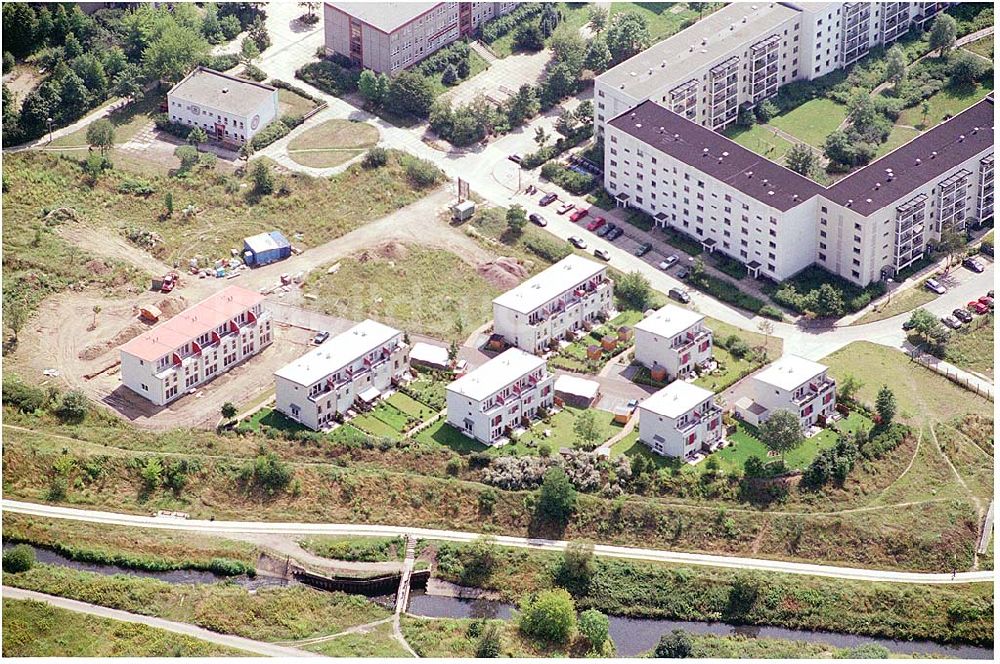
[(72, 407), (253, 72), (497, 27), (557, 497), (291, 120), (266, 473), (546, 248), (136, 187), (220, 62), (549, 616), (449, 56), (420, 172), (330, 76), (269, 134), (19, 558), (489, 645), (675, 645), (25, 398), (594, 625), (375, 158), (770, 311), (570, 180)]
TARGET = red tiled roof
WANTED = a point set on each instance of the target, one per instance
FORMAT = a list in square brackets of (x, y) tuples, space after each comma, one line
[(191, 323)]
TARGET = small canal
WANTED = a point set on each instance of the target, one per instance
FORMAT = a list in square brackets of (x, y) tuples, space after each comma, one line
[(632, 636)]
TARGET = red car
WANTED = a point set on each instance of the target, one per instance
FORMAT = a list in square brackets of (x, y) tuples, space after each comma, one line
[(577, 215), (978, 307), (987, 300), (595, 224)]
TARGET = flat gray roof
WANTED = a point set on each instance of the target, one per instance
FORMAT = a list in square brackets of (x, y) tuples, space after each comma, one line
[(385, 16), (214, 89), (698, 46)]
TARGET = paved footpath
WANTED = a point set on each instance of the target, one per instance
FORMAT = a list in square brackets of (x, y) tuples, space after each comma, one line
[(541, 544), (238, 642)]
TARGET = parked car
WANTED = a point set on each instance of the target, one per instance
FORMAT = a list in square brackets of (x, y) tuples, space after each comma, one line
[(987, 300), (973, 264), (643, 249), (978, 307), (908, 325), (564, 208), (321, 337), (604, 230), (615, 232), (962, 315), (933, 286), (516, 158), (632, 404), (670, 260), (602, 254), (683, 273), (986, 249), (577, 215), (537, 219), (679, 295), (952, 322), (577, 242), (547, 199), (596, 223)]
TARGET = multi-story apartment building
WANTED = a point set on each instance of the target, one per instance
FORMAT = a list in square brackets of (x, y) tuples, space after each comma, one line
[(564, 298), (865, 228), (389, 37), (228, 108), (350, 370), (500, 396), (792, 383), (196, 345), (675, 339), (742, 53), (680, 420)]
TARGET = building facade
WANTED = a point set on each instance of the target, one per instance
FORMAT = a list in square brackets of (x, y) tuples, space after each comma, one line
[(196, 345), (741, 54), (228, 108), (681, 420), (674, 339), (792, 383), (389, 37), (350, 370), (867, 227), (500, 396), (564, 298)]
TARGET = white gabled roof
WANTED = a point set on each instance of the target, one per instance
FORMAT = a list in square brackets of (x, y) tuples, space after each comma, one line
[(789, 372), (498, 373), (676, 399), (549, 284), (669, 321), (424, 352), (337, 352)]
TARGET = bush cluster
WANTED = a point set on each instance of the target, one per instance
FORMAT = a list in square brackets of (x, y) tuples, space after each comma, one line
[(498, 27), (572, 181), (272, 132), (278, 83), (330, 76), (562, 144)]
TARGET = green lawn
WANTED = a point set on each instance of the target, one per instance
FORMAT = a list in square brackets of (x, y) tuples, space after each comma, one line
[(973, 349), (897, 137), (270, 418), (410, 406), (907, 301), (950, 101), (127, 121), (292, 103), (813, 121), (761, 140), (377, 424), (356, 549), (983, 47), (336, 134), (921, 394), (662, 18), (732, 368), (379, 643)]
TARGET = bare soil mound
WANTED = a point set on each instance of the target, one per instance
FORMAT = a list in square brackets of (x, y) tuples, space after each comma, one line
[(94, 351), (503, 273), (392, 250)]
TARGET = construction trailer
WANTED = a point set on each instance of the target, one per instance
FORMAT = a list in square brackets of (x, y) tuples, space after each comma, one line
[(265, 248)]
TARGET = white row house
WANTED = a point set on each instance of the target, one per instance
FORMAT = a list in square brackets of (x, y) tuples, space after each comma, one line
[(196, 345), (502, 395), (680, 420), (674, 339), (350, 370), (564, 298), (792, 383)]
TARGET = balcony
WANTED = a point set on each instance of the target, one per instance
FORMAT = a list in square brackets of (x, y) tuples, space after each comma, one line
[(813, 390), (690, 340)]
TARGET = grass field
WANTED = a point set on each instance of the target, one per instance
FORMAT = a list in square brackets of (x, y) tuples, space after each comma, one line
[(356, 549), (729, 375), (813, 121), (949, 101), (427, 292), (35, 629), (332, 143), (662, 18), (921, 394), (897, 137), (983, 47), (292, 103), (761, 140), (973, 349), (274, 614), (128, 121), (378, 642), (898, 304)]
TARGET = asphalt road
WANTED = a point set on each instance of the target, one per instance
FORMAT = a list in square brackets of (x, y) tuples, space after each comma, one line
[(258, 648), (657, 555)]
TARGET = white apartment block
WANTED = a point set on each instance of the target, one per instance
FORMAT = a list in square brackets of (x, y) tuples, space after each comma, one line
[(350, 370), (675, 339), (742, 53), (390, 36), (793, 383), (563, 298), (681, 420), (500, 396), (866, 227), (228, 108), (196, 345)]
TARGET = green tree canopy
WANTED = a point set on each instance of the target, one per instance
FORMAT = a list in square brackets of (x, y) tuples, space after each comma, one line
[(410, 94), (634, 291), (557, 497), (626, 34), (675, 645), (781, 432), (548, 616), (594, 626), (885, 405), (944, 32), (101, 135)]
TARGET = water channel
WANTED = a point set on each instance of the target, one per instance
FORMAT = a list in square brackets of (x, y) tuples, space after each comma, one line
[(632, 636)]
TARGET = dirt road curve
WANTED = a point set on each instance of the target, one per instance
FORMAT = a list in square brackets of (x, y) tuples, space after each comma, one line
[(258, 648)]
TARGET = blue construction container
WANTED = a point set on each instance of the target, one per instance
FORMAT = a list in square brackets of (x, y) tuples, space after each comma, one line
[(265, 248)]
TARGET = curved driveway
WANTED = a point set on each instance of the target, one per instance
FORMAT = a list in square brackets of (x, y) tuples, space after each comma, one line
[(655, 555)]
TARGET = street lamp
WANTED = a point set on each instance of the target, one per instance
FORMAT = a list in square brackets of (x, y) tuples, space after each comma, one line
[(49, 121)]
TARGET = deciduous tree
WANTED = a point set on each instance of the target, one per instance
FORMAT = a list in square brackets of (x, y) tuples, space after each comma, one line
[(781, 432)]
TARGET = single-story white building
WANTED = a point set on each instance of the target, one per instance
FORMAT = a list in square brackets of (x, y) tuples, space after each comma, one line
[(228, 108)]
